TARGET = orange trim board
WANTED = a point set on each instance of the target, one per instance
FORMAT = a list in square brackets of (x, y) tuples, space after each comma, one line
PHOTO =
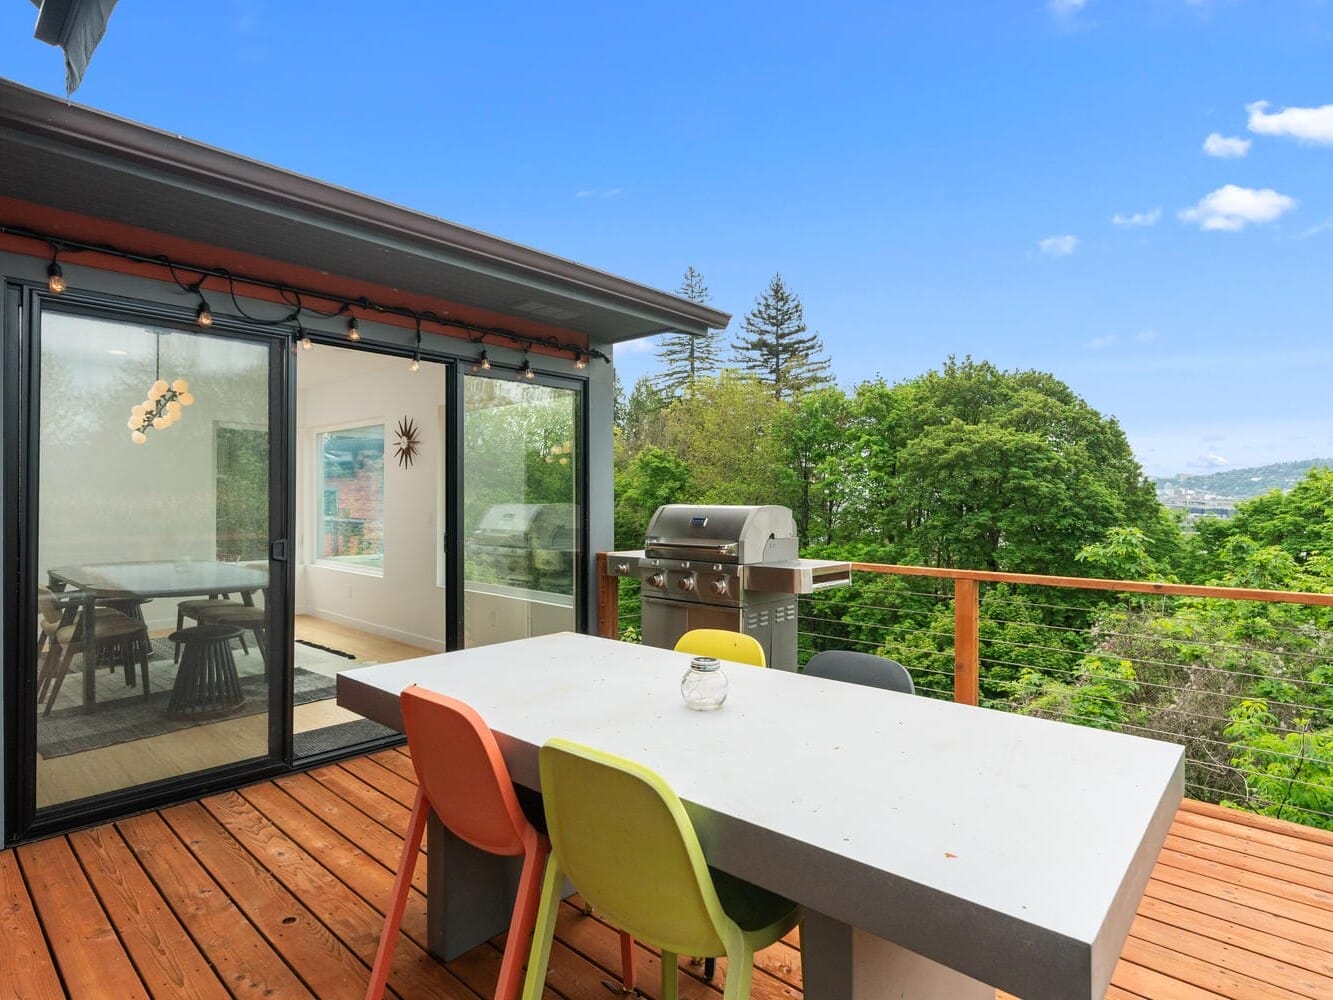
[(84, 228)]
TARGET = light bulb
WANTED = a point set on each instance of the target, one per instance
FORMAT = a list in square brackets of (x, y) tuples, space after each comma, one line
[(174, 409), (163, 422), (416, 365), (202, 316), (55, 278), (138, 410), (187, 399), (138, 437), (157, 389), (484, 362), (564, 461), (353, 331), (307, 344), (180, 385), (580, 360), (134, 423), (529, 374)]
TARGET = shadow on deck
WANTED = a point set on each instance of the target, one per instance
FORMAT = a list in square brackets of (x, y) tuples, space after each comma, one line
[(277, 890)]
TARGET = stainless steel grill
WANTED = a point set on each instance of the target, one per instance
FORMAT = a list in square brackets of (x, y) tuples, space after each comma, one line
[(725, 567)]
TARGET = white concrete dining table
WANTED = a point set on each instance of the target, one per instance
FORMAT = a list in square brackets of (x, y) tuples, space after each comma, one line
[(940, 850)]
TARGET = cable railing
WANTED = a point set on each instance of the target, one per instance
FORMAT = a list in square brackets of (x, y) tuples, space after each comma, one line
[(1241, 678)]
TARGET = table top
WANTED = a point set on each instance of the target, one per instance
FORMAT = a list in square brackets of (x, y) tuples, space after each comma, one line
[(1010, 848), (161, 579)]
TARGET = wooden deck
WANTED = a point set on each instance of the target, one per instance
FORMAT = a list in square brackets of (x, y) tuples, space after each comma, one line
[(277, 891)]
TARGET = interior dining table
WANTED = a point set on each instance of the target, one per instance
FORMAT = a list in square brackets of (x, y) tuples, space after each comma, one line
[(940, 851), (95, 582)]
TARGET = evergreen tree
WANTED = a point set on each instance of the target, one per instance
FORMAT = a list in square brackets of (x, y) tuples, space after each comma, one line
[(778, 351), (685, 358)]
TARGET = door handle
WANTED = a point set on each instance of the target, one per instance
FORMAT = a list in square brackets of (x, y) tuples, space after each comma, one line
[(277, 550)]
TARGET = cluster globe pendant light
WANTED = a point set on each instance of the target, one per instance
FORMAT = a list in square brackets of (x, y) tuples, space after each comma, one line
[(163, 407)]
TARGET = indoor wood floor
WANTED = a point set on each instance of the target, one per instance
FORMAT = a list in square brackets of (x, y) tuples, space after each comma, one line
[(278, 890), (209, 744)]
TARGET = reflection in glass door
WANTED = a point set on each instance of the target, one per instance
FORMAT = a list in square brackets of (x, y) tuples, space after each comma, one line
[(152, 573), (522, 509)]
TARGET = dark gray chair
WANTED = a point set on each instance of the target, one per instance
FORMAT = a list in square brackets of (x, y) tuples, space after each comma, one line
[(861, 668)]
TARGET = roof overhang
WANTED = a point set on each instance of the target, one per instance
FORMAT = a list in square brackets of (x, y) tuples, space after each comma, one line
[(88, 162)]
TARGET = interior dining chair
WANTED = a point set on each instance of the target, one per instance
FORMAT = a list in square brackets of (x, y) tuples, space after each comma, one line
[(723, 644), (463, 779), (622, 836), (861, 668), (116, 634)]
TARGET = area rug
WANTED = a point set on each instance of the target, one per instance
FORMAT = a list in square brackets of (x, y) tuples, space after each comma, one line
[(123, 714)]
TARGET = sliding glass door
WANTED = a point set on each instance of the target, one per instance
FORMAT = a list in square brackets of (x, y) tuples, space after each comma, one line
[(523, 509), (150, 536)]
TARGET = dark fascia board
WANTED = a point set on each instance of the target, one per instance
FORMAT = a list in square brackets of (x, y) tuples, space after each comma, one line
[(154, 150)]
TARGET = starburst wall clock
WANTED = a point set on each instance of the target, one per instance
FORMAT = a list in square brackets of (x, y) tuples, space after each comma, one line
[(407, 442)]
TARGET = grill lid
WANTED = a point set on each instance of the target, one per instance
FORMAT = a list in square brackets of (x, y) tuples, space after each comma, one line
[(721, 534)]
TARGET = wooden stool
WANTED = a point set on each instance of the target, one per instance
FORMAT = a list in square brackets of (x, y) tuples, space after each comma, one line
[(206, 682), (245, 618), (191, 608)]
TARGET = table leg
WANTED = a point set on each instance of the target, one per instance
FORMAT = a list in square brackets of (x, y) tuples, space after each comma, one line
[(843, 963), (89, 652), (470, 893)]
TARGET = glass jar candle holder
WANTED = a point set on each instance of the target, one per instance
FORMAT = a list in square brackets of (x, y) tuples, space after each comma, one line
[(704, 686)]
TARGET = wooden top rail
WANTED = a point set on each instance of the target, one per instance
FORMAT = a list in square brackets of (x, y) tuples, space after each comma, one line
[(1093, 583)]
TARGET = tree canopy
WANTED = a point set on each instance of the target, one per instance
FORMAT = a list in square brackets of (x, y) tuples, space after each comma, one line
[(776, 349)]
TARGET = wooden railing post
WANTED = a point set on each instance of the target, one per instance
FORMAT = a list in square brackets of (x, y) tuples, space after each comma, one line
[(966, 642), (608, 601)]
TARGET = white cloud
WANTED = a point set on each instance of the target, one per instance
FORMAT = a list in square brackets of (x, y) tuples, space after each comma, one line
[(1226, 147), (1102, 343), (1065, 8), (1137, 219), (1146, 336), (1231, 208), (1314, 125), (599, 193), (1315, 230), (1058, 246)]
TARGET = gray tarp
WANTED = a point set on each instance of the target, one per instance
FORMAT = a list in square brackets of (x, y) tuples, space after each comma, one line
[(76, 26)]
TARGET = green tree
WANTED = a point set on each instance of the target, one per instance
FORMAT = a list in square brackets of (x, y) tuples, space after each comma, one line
[(777, 349), (650, 479), (684, 357), (722, 431)]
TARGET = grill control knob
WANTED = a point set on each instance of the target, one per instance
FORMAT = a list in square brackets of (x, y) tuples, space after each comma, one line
[(686, 583), (720, 586), (656, 580), (622, 568)]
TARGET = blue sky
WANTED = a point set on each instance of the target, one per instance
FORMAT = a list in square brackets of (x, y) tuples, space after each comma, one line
[(1032, 183)]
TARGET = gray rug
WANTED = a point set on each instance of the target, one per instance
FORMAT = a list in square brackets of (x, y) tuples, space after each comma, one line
[(131, 716)]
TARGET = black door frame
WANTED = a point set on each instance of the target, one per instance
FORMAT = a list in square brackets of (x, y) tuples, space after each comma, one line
[(24, 305), (19, 442)]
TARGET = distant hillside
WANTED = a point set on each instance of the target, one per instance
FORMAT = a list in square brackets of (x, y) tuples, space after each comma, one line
[(1242, 484)]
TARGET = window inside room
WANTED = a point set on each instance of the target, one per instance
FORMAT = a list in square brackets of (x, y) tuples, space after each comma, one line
[(350, 497)]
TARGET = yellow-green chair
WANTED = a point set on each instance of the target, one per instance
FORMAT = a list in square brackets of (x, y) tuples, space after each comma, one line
[(722, 644), (621, 835)]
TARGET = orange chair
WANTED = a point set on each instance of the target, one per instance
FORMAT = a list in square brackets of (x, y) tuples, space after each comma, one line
[(464, 781)]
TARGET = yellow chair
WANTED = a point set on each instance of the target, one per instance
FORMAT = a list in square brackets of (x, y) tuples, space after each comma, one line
[(621, 835), (722, 644)]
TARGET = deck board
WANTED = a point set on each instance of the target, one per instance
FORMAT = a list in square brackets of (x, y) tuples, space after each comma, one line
[(279, 890)]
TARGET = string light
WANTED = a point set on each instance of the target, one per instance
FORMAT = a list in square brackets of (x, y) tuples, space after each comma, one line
[(483, 363), (56, 283), (306, 343), (580, 359), (416, 356), (526, 372), (202, 315), (55, 277)]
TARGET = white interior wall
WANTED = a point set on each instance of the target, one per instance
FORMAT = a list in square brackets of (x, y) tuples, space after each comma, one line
[(339, 388)]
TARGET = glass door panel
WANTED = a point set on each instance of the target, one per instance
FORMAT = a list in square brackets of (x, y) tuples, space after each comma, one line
[(152, 564), (522, 509)]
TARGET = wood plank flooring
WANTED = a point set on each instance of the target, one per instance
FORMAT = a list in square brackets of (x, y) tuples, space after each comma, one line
[(278, 890)]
